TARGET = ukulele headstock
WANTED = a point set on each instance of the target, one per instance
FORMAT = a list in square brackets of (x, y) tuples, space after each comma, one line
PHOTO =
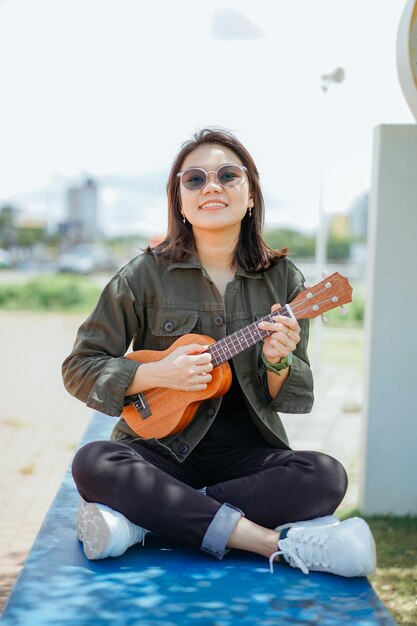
[(330, 293)]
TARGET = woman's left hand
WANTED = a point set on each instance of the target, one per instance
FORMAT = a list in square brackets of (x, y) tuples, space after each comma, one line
[(284, 337)]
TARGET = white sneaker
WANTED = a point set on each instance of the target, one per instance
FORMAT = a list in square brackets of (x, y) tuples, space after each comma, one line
[(105, 532), (346, 548)]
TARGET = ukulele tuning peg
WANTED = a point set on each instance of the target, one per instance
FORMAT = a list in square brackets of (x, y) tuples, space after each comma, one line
[(324, 318), (343, 310)]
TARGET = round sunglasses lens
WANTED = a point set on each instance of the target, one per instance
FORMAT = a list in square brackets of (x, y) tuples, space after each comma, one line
[(194, 179), (229, 175)]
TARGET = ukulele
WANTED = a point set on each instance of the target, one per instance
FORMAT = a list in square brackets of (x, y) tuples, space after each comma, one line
[(161, 412)]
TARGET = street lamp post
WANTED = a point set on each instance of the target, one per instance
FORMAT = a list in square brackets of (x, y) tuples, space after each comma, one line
[(337, 76), (320, 257)]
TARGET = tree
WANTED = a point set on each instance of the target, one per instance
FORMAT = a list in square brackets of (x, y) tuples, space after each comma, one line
[(299, 244), (7, 226)]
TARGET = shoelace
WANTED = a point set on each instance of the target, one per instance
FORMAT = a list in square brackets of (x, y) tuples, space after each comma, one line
[(291, 547), (145, 532), (141, 532), (290, 555)]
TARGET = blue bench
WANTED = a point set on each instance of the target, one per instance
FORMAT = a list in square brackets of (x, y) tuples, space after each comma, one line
[(165, 583)]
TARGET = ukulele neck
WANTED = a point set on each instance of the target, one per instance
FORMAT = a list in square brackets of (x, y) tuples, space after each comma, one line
[(242, 339)]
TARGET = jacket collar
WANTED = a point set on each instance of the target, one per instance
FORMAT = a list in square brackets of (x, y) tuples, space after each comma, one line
[(192, 261)]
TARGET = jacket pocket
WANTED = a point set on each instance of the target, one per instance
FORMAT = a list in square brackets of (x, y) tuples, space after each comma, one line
[(166, 325)]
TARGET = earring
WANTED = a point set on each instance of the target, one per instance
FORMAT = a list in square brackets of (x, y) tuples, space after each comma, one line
[(250, 211), (183, 218)]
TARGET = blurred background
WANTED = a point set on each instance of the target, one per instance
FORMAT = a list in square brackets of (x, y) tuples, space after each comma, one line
[(97, 97)]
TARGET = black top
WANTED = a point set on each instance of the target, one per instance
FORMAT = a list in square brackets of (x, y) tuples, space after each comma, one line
[(233, 423)]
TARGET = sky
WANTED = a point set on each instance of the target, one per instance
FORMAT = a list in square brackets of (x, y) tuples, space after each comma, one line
[(112, 88)]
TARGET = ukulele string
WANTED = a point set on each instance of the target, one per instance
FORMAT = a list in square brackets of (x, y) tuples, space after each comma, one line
[(301, 302), (159, 392), (305, 310)]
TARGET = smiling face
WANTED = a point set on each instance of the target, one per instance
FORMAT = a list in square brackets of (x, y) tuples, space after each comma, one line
[(215, 207)]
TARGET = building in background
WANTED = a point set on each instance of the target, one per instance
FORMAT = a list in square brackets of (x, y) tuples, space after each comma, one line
[(82, 214), (358, 211), (358, 227)]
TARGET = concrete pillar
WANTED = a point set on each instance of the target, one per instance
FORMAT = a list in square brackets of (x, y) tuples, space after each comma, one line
[(389, 460)]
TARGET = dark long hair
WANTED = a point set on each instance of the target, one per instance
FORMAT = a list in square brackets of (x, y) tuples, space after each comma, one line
[(251, 251)]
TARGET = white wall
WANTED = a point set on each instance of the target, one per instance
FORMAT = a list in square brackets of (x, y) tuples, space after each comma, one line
[(389, 463)]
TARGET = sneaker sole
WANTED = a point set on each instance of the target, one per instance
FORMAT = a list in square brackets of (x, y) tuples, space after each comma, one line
[(92, 531), (80, 524)]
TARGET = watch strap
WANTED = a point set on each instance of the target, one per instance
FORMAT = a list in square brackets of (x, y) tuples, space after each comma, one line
[(276, 368)]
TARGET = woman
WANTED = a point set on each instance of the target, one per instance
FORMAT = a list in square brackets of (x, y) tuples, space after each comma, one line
[(230, 478)]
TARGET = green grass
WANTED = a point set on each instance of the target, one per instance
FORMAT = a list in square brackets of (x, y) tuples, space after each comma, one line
[(395, 580), (56, 292), (343, 346)]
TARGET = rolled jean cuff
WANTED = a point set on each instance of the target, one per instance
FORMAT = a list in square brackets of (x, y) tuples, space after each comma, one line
[(221, 527)]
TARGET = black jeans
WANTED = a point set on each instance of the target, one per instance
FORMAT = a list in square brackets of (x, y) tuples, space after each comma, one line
[(268, 485)]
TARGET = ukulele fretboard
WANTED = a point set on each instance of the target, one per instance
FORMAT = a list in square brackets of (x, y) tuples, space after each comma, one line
[(244, 338)]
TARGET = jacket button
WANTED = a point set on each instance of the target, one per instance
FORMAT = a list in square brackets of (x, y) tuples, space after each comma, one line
[(211, 412), (183, 448), (169, 327), (219, 320)]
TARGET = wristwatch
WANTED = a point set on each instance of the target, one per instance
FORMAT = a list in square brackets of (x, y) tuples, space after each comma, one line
[(275, 368)]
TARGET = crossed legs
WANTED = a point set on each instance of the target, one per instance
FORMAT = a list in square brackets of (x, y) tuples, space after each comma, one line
[(253, 491)]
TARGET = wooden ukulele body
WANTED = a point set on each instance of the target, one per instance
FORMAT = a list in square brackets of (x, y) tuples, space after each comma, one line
[(172, 410)]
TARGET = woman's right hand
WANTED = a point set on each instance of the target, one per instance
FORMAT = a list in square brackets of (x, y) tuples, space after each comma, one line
[(186, 368)]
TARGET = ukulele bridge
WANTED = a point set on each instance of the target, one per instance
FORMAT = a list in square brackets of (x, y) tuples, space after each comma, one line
[(139, 402)]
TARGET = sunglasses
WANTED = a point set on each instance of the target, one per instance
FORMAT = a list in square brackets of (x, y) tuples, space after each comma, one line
[(196, 178)]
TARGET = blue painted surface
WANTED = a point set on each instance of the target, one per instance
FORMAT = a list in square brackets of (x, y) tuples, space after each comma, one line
[(165, 583)]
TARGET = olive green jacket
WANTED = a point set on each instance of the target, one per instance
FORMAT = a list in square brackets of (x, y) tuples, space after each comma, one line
[(151, 304)]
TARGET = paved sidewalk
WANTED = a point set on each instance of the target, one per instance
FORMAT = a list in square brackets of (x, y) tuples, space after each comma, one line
[(41, 426)]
